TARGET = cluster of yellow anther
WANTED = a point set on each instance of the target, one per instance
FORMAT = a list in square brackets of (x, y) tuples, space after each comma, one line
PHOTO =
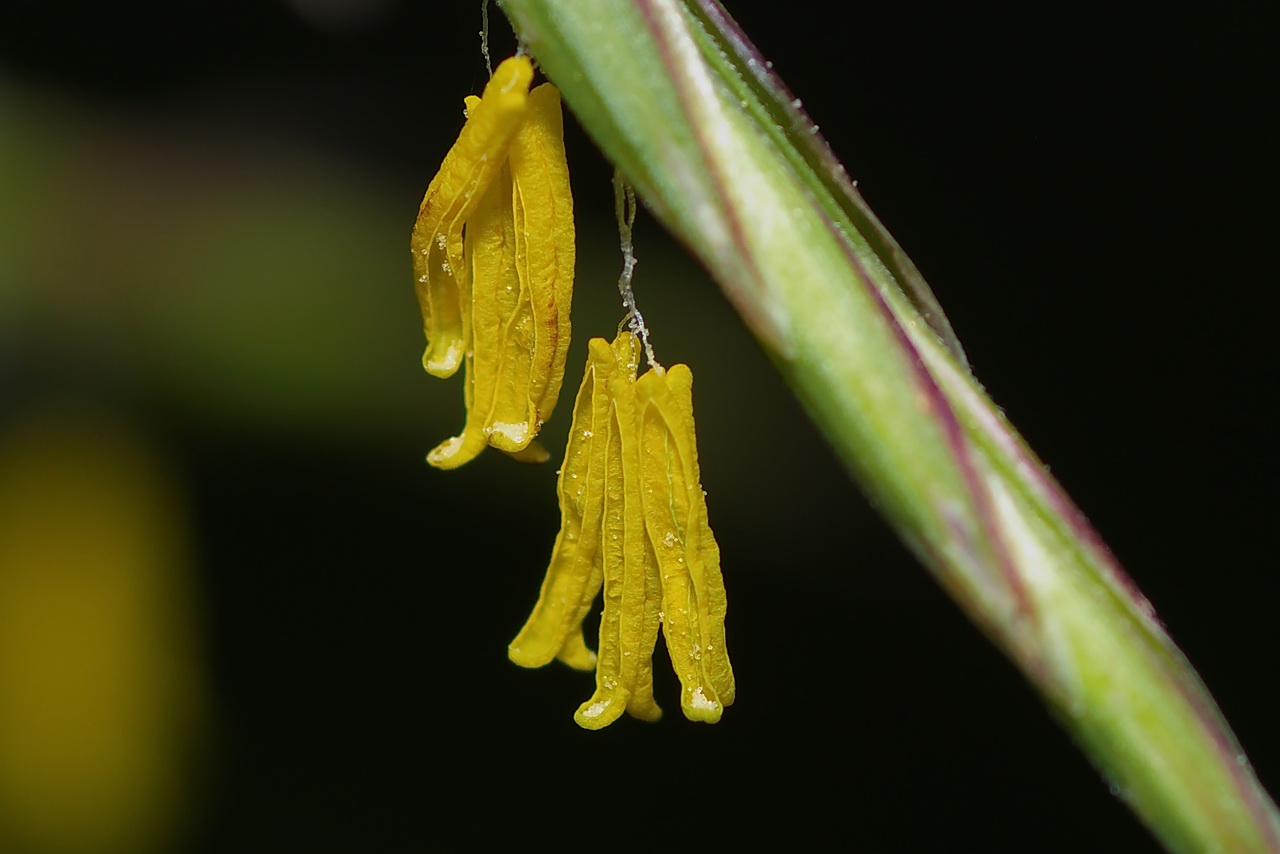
[(495, 298), (634, 520), (493, 253)]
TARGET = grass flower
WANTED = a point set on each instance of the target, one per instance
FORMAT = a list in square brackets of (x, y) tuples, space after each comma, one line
[(492, 299), (634, 521), (493, 251)]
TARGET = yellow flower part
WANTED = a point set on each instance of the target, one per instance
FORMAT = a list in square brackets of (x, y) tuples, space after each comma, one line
[(496, 296), (573, 577), (469, 167), (545, 249), (634, 520), (675, 511)]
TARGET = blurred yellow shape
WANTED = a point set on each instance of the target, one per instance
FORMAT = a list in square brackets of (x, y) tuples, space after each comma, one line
[(98, 688)]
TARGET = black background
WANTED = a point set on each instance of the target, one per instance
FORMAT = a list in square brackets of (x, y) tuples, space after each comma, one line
[(1089, 190)]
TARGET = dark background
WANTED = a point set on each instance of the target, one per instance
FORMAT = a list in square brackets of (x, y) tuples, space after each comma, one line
[(219, 197)]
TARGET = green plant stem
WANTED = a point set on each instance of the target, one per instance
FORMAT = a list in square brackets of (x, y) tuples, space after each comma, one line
[(677, 97)]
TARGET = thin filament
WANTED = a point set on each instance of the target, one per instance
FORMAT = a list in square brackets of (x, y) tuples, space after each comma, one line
[(624, 208), (484, 36)]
